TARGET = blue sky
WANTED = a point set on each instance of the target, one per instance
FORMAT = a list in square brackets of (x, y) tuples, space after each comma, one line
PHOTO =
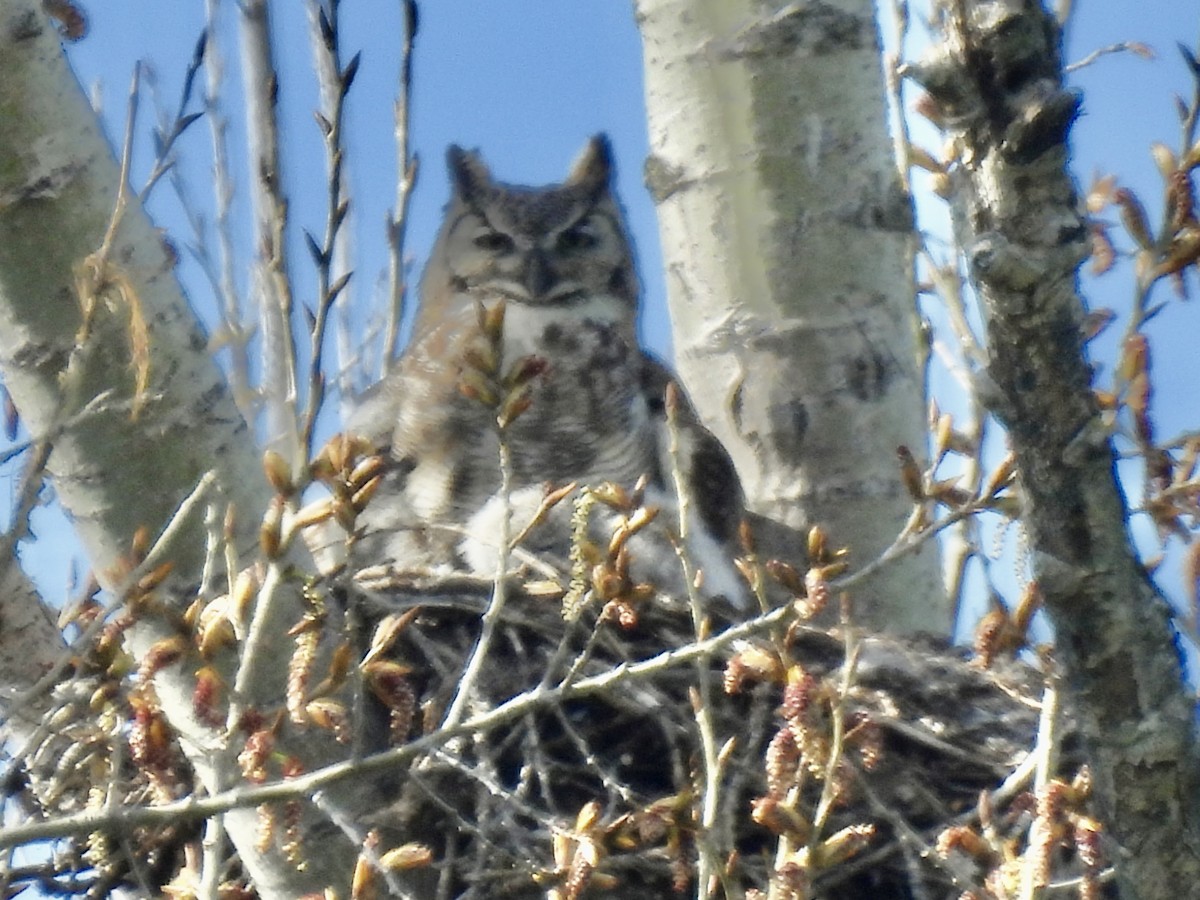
[(528, 81)]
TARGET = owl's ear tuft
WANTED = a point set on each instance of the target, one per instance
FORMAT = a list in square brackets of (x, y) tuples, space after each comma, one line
[(592, 169), (469, 174)]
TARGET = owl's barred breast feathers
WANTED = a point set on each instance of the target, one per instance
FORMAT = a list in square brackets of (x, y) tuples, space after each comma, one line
[(559, 259)]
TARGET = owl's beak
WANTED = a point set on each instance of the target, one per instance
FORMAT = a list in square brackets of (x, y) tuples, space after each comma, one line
[(539, 276)]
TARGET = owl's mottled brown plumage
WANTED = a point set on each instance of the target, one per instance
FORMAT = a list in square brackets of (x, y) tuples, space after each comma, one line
[(559, 258)]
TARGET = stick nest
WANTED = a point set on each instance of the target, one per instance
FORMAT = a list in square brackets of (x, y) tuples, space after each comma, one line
[(598, 790)]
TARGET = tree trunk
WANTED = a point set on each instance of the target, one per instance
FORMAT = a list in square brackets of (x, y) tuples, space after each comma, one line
[(788, 245), (997, 79), (30, 646), (124, 456)]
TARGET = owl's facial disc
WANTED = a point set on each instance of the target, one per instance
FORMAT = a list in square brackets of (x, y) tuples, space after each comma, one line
[(520, 254)]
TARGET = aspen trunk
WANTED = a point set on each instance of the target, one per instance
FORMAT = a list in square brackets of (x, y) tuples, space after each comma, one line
[(788, 245)]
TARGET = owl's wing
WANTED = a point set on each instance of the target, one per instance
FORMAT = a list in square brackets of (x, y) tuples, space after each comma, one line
[(426, 432), (706, 466)]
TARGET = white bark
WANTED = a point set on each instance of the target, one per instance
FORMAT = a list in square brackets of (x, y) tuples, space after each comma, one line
[(788, 246), (114, 472), (30, 646)]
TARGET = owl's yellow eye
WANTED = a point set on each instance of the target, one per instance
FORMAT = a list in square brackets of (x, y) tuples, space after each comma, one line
[(494, 242), (580, 236)]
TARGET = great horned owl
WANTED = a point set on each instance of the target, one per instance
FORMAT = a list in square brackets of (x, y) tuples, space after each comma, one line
[(560, 260)]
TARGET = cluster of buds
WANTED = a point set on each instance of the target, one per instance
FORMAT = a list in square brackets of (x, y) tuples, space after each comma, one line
[(816, 735), (1002, 632), (802, 743), (1171, 479), (206, 697), (162, 653), (283, 822), (577, 855), (258, 757), (220, 622), (259, 747), (1166, 252), (391, 684), (754, 663), (1133, 384), (151, 743), (107, 653), (928, 491), (320, 705), (139, 590), (803, 856), (803, 852), (810, 591), (508, 393), (1175, 507), (352, 471), (801, 747), (388, 679), (605, 569), (215, 625), (1176, 245), (1060, 820), (370, 862), (579, 852), (669, 821)]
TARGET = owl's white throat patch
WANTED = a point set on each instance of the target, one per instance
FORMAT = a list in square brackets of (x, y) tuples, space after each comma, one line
[(527, 328)]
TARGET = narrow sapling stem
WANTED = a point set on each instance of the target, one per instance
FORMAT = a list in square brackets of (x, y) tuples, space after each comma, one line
[(491, 616), (709, 864)]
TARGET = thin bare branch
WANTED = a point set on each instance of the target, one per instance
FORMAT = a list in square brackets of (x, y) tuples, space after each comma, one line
[(406, 177), (235, 334), (1134, 47), (709, 851), (333, 274), (273, 287), (491, 616)]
